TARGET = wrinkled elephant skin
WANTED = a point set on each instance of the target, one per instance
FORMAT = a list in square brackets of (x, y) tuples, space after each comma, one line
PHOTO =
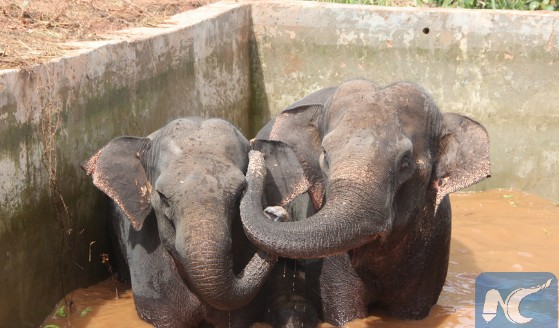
[(176, 194), (380, 163)]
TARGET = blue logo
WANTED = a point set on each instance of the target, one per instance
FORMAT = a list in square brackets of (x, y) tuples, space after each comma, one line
[(516, 299)]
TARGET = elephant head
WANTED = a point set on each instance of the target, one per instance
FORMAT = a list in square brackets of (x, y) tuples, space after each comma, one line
[(191, 173), (376, 159)]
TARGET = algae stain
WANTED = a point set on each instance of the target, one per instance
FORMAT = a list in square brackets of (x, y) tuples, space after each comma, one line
[(259, 111), (13, 134)]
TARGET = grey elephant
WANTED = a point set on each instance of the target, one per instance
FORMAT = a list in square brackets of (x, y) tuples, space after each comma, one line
[(177, 192), (380, 163)]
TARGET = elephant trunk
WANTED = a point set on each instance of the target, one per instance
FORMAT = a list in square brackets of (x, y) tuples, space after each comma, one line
[(336, 228), (204, 248)]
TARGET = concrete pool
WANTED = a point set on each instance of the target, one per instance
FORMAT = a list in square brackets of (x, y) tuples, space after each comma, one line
[(245, 61)]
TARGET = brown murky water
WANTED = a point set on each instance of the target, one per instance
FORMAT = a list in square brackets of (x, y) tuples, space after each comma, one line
[(497, 230)]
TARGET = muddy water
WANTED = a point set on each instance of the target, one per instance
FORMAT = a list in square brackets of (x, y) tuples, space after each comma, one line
[(498, 230)]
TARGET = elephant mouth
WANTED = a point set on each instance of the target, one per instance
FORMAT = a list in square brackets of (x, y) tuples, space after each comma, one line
[(357, 254), (354, 256)]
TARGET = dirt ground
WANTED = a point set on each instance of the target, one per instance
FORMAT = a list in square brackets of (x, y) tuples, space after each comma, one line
[(34, 31)]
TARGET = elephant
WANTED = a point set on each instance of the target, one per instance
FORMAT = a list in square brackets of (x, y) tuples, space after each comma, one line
[(380, 163), (176, 193)]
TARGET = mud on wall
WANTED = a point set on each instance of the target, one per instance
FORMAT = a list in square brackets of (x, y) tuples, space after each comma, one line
[(54, 116), (498, 67)]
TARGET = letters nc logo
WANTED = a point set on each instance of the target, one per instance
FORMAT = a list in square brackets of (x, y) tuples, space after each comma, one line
[(516, 299)]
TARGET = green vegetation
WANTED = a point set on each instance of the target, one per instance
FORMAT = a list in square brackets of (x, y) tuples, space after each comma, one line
[(468, 4), (85, 311), (61, 311)]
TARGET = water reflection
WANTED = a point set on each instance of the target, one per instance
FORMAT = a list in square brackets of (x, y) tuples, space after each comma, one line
[(497, 230)]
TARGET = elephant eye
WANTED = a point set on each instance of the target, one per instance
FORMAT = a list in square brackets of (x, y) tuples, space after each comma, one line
[(406, 167), (166, 207), (324, 158), (240, 188), (164, 200), (405, 164)]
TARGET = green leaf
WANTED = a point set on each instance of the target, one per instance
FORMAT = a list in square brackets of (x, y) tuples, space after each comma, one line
[(534, 5), (61, 311), (550, 8), (507, 196), (51, 326), (86, 311)]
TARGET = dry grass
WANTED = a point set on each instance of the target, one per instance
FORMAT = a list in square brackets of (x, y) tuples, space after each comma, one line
[(34, 31)]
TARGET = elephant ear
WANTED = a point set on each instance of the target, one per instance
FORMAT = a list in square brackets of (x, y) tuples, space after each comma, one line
[(463, 158), (317, 98), (297, 127), (117, 171), (285, 178)]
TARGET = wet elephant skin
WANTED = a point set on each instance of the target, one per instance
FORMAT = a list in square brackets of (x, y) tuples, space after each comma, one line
[(176, 197), (380, 163)]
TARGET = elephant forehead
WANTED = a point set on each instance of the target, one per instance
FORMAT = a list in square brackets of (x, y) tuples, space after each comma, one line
[(227, 149), (363, 146), (385, 123), (354, 89), (203, 164), (210, 140), (363, 103), (205, 177), (185, 133), (363, 129), (366, 112)]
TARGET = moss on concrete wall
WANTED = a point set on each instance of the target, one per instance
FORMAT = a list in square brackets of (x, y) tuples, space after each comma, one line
[(498, 67), (54, 116)]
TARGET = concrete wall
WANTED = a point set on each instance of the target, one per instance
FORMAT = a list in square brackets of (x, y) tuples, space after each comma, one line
[(130, 86), (245, 62), (499, 67)]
